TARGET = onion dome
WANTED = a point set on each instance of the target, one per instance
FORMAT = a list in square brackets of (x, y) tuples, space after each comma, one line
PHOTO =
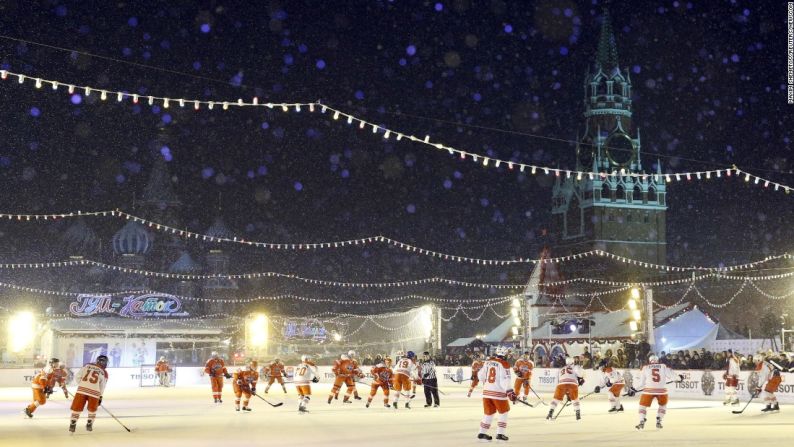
[(220, 230), (80, 237), (132, 239), (185, 264)]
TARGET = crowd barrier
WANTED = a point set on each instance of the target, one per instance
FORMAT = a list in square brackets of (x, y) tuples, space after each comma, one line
[(697, 384)]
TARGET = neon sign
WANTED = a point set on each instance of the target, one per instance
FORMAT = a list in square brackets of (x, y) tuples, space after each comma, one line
[(132, 306), (305, 329)]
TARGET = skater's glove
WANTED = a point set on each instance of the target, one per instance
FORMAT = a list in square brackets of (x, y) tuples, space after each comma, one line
[(227, 375), (253, 390), (631, 392), (511, 395), (757, 392), (597, 389), (609, 384), (581, 380), (100, 400), (47, 390), (680, 377), (418, 381), (315, 380), (424, 376)]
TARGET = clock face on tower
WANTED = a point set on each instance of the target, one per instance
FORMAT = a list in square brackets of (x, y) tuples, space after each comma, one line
[(620, 149)]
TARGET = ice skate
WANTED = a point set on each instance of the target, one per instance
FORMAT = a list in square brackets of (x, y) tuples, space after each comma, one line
[(427, 405), (435, 406), (484, 437), (735, 402), (302, 410), (658, 423), (768, 408), (394, 405), (776, 407), (367, 405), (640, 426), (408, 405), (28, 412), (246, 409), (550, 415), (357, 397), (236, 409), (329, 399), (387, 406), (73, 426), (578, 415), (501, 438), (468, 394), (89, 426)]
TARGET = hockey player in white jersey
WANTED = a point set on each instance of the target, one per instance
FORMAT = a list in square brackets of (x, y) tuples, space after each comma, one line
[(612, 380), (497, 390), (91, 381), (571, 377), (653, 382), (305, 374)]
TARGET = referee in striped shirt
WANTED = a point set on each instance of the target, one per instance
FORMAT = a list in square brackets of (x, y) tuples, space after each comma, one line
[(429, 380)]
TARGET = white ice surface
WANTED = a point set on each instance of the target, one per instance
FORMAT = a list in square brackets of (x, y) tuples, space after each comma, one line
[(187, 417)]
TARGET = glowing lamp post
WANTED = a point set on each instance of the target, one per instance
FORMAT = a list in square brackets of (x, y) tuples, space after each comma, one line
[(21, 331)]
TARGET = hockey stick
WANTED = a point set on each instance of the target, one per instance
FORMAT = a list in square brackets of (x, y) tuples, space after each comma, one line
[(268, 402), (585, 396), (753, 396), (433, 388), (117, 419), (643, 389), (459, 381), (538, 396), (525, 403), (567, 401)]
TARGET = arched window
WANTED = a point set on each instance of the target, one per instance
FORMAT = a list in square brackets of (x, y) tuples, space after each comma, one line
[(620, 193), (637, 196), (573, 219), (652, 194), (606, 193)]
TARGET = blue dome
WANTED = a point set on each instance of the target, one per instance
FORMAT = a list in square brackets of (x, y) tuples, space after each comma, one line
[(132, 239), (80, 236), (185, 264)]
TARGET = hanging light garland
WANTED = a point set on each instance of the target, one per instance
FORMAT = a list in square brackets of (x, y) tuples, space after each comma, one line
[(387, 133)]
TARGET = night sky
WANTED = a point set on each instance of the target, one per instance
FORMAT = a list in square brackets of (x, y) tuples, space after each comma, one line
[(497, 78)]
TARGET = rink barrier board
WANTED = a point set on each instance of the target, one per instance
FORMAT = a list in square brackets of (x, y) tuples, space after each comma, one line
[(697, 384)]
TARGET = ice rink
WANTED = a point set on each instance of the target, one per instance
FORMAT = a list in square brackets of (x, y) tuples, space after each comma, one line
[(187, 417)]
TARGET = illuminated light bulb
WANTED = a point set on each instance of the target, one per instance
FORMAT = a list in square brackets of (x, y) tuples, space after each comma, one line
[(311, 107), (427, 138), (55, 85), (667, 178), (21, 79), (284, 108), (104, 95), (165, 103), (636, 314), (521, 168), (88, 91), (374, 128), (719, 174), (70, 89), (151, 100), (196, 105), (3, 74), (181, 102), (590, 174), (386, 135), (336, 115), (239, 101), (225, 105), (747, 178), (38, 83), (578, 176), (210, 105), (546, 171), (708, 175), (119, 97), (534, 169), (297, 107), (361, 125), (255, 101), (485, 161)]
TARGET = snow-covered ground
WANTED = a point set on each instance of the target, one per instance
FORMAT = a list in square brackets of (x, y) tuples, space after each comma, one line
[(186, 416)]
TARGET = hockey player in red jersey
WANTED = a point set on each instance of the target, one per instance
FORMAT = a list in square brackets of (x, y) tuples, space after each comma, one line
[(216, 369), (769, 375), (275, 372), (382, 376), (475, 368), (42, 385), (91, 381), (497, 390), (523, 369), (570, 379), (244, 384)]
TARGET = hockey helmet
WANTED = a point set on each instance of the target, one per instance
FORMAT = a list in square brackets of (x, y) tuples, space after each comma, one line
[(214, 354), (351, 353), (102, 361), (305, 358), (653, 358), (387, 361), (54, 362), (569, 361), (501, 351), (344, 357), (253, 365), (162, 358), (410, 354)]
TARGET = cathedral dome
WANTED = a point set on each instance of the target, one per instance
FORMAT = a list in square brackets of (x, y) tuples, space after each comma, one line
[(80, 237), (185, 264), (220, 230), (132, 239)]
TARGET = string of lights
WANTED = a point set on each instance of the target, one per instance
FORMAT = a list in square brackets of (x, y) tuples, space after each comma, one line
[(387, 133)]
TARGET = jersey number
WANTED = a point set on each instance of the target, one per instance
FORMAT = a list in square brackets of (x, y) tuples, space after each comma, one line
[(302, 371), (568, 370), (405, 363), (655, 375), (94, 376), (491, 375)]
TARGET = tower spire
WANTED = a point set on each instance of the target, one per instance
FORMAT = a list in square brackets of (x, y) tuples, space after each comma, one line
[(607, 57)]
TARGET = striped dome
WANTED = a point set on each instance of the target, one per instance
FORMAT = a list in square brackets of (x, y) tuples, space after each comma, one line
[(220, 230), (132, 239)]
